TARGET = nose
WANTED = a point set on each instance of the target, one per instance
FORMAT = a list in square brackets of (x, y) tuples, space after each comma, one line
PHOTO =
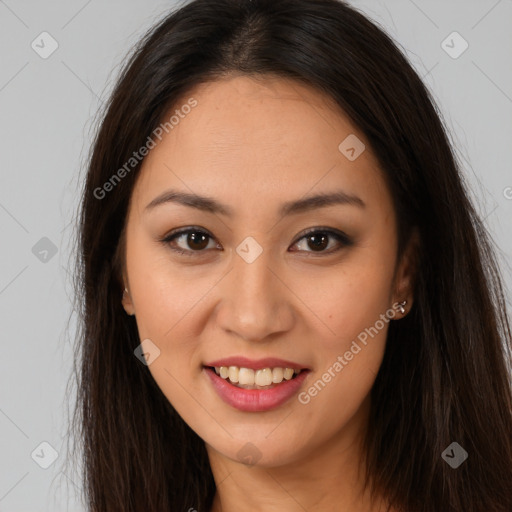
[(255, 303)]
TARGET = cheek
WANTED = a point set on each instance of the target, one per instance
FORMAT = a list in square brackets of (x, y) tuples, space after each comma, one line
[(348, 362), (350, 299), (171, 303), (356, 307), (166, 295)]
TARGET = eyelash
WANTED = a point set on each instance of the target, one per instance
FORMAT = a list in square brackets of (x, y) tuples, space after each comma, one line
[(339, 236)]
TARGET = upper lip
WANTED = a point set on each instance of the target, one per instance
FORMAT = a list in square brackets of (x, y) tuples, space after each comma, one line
[(256, 364)]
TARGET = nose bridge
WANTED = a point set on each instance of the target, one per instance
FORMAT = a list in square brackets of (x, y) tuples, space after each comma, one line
[(252, 278), (254, 304)]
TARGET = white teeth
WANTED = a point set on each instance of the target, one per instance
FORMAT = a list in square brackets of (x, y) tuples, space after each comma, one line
[(277, 375), (233, 373), (263, 377), (247, 377), (288, 373)]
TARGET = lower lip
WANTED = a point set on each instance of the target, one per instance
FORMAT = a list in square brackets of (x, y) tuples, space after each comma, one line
[(256, 400)]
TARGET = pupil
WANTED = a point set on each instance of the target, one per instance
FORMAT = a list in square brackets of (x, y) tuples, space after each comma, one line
[(318, 241), (200, 239)]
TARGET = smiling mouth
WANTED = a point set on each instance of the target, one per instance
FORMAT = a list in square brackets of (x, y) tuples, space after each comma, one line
[(247, 378)]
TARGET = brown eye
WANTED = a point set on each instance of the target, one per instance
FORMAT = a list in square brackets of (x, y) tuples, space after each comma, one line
[(188, 241), (318, 240), (197, 241), (193, 241)]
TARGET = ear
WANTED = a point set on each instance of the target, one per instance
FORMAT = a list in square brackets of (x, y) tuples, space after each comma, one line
[(405, 275), (122, 278), (127, 302)]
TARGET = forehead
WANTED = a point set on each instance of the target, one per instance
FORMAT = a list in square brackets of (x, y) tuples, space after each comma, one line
[(268, 139)]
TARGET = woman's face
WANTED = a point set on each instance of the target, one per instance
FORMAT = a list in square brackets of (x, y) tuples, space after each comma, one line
[(252, 289)]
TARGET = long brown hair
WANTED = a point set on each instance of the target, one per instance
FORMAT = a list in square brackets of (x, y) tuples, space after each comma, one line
[(445, 374)]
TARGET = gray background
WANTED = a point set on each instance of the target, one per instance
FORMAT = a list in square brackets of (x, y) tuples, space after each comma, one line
[(47, 112)]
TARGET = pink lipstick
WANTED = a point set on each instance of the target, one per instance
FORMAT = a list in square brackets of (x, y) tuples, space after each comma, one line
[(262, 397)]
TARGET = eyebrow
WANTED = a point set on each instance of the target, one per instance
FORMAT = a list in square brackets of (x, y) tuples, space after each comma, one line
[(210, 205)]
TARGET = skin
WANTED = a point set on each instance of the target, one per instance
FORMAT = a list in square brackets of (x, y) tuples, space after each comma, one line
[(252, 145)]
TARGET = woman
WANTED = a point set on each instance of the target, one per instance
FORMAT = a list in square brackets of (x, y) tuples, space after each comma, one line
[(289, 302)]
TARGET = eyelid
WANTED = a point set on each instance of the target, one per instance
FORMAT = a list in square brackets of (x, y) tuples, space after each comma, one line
[(340, 236)]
